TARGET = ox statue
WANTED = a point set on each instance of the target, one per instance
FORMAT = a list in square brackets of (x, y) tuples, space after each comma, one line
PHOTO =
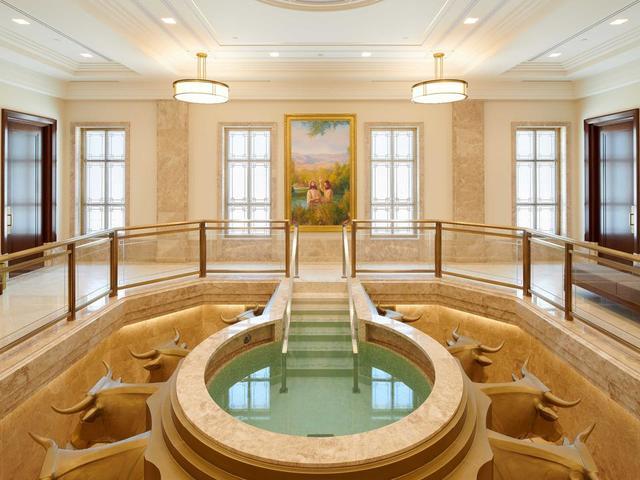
[(394, 315), (471, 355), (525, 408), (123, 460), (111, 411), (515, 459), (163, 360), (252, 312)]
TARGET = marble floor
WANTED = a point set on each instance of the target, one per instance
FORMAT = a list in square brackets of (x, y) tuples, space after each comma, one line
[(36, 299)]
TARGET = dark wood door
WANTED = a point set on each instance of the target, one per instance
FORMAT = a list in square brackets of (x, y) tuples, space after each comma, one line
[(28, 181), (23, 205), (611, 173), (617, 187)]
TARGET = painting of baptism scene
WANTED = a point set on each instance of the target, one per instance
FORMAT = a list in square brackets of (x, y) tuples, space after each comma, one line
[(320, 160)]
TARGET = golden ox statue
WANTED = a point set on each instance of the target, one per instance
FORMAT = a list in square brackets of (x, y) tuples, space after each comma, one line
[(162, 361), (471, 355), (110, 411)]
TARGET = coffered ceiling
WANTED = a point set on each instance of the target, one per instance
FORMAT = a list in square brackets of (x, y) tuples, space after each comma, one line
[(142, 45)]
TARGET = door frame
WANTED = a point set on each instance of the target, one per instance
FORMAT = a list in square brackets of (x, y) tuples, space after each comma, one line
[(49, 142), (592, 214)]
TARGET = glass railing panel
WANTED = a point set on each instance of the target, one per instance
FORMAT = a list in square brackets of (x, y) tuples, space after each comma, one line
[(486, 254), (157, 253), (34, 293), (547, 270), (395, 248), (247, 248), (606, 293), (92, 269)]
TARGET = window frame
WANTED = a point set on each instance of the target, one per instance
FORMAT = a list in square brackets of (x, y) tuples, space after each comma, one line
[(416, 177), (224, 188), (82, 163), (559, 162)]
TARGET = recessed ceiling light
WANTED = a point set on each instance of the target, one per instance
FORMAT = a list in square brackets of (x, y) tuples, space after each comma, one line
[(169, 20), (86, 55), (274, 54), (555, 54), (20, 21), (366, 54), (619, 21), (471, 20)]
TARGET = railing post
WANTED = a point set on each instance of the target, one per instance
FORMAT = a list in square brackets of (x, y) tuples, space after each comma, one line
[(354, 231), (438, 250), (568, 281), (296, 259), (203, 249), (526, 263), (287, 248), (113, 264), (342, 247), (71, 280)]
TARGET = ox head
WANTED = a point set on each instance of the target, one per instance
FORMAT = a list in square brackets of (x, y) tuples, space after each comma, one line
[(47, 472), (401, 317), (525, 408), (251, 312), (163, 360), (88, 404), (110, 411), (471, 354)]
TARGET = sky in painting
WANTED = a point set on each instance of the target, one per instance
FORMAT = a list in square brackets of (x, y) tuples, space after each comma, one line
[(334, 141)]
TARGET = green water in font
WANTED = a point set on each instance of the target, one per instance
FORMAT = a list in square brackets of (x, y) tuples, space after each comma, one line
[(320, 398)]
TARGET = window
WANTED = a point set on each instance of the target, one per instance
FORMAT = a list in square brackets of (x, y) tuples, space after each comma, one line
[(103, 156), (251, 396), (393, 179), (537, 178), (247, 154), (388, 393)]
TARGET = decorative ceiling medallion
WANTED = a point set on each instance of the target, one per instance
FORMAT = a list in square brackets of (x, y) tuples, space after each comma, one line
[(320, 5)]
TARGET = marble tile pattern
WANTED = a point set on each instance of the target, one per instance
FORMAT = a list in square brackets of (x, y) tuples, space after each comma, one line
[(572, 359), (257, 444)]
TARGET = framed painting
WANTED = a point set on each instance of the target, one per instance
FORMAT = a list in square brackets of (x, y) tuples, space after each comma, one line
[(320, 158)]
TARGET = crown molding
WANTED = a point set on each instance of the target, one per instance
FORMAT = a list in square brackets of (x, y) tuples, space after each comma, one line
[(17, 76), (623, 76)]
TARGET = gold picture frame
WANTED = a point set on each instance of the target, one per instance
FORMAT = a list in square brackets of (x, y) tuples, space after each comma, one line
[(334, 198)]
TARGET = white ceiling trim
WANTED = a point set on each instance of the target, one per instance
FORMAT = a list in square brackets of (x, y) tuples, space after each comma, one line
[(607, 81), (14, 75)]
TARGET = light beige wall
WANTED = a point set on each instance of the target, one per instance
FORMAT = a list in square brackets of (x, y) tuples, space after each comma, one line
[(26, 101), (203, 146), (142, 149), (498, 116)]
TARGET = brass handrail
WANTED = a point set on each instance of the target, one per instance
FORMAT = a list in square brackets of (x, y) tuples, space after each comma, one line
[(527, 236), (70, 248)]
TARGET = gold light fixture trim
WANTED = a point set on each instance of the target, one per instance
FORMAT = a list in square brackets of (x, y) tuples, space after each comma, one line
[(439, 90), (201, 90)]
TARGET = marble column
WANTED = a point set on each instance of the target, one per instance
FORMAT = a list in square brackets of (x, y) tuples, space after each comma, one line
[(468, 179), (173, 160), (172, 194)]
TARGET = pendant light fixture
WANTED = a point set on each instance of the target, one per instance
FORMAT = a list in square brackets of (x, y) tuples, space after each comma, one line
[(439, 90), (201, 90)]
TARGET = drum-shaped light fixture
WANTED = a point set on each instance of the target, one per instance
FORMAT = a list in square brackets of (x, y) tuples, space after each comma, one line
[(439, 90), (201, 90)]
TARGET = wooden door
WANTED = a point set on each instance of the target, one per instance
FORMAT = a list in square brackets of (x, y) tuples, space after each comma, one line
[(28, 183), (611, 154)]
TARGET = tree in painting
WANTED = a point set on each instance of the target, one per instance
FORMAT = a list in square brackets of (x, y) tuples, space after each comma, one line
[(320, 171)]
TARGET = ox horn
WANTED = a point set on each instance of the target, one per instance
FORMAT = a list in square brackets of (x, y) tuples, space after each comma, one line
[(80, 406), (486, 349), (482, 360), (176, 339), (406, 318), (145, 355), (584, 435), (547, 412), (559, 402), (455, 334), (229, 320), (44, 441), (109, 372)]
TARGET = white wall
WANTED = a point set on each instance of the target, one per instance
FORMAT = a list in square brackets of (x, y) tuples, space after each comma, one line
[(142, 150), (26, 101)]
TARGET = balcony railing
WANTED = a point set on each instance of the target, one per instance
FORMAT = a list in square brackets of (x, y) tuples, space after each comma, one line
[(584, 281), (44, 285)]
